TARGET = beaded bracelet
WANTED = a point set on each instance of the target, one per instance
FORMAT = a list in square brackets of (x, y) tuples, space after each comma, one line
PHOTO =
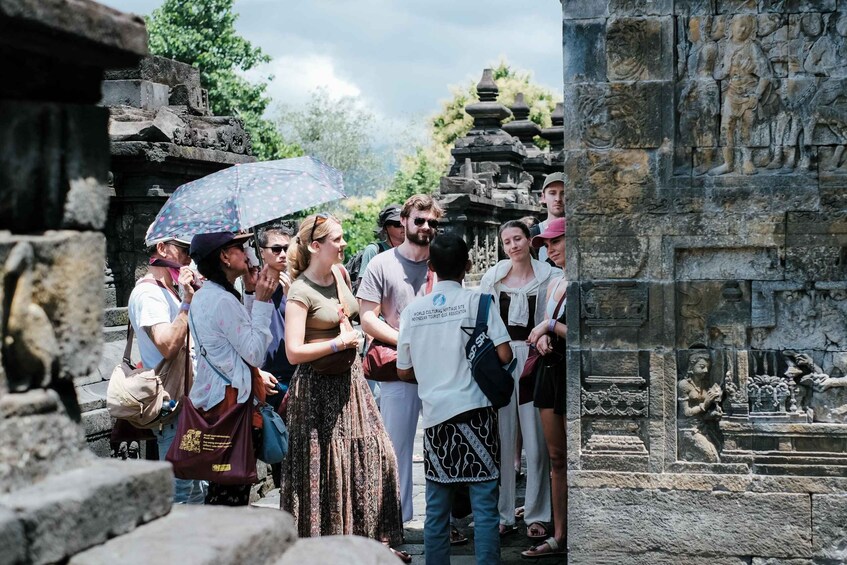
[(551, 327)]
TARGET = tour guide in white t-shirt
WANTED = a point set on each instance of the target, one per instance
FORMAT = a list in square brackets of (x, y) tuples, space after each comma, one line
[(461, 442)]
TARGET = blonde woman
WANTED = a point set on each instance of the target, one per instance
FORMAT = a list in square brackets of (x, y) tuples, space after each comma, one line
[(340, 475)]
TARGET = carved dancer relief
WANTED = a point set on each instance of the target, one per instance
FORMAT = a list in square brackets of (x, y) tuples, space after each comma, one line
[(700, 410)]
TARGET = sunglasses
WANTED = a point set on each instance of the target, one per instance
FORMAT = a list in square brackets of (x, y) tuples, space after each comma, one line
[(276, 249), (432, 223), (319, 219), (180, 246), (393, 225)]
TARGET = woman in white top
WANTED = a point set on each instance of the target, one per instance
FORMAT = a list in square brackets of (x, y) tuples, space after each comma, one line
[(519, 285), (229, 337)]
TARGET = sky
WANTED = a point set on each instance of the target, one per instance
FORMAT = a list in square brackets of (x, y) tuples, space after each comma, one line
[(397, 58)]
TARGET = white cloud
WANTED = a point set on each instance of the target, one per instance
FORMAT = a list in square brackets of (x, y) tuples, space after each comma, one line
[(296, 76)]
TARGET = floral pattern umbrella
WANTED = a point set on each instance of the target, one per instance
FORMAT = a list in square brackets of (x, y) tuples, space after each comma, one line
[(243, 196)]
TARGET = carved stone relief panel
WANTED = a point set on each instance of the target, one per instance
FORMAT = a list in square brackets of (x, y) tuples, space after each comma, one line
[(637, 48), (614, 397), (614, 303), (712, 313), (782, 94), (701, 393)]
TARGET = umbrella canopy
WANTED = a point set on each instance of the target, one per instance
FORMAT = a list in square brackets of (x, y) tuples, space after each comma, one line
[(243, 196)]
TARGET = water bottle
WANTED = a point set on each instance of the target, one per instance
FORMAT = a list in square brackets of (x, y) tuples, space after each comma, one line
[(167, 407)]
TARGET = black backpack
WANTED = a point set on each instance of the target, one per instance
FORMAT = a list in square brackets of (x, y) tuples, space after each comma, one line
[(354, 265), (495, 380)]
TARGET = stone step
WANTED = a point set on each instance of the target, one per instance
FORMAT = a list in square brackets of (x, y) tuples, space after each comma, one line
[(71, 511), (213, 535), (329, 550)]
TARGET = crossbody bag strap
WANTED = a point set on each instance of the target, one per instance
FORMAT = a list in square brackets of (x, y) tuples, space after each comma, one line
[(558, 311), (202, 350), (339, 281), (130, 334), (482, 312)]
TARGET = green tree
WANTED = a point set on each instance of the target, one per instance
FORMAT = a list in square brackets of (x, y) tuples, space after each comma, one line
[(338, 133), (202, 33)]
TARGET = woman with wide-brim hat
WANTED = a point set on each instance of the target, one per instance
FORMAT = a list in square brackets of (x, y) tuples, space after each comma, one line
[(548, 337), (233, 340)]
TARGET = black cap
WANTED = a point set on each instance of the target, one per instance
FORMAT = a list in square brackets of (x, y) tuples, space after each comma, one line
[(204, 244), (390, 213)]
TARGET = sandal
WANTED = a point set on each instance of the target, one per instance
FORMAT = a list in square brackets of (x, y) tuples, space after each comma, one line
[(548, 548), (457, 537), (537, 531), (506, 530), (404, 557)]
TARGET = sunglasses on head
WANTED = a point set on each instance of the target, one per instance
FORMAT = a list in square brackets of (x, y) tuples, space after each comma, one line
[(276, 249), (319, 219), (432, 223)]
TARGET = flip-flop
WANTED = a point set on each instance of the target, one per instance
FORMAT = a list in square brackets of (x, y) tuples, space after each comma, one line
[(553, 550), (457, 537), (545, 531), (402, 555), (507, 530)]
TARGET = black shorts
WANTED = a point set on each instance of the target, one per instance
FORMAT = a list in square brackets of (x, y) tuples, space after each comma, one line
[(550, 387)]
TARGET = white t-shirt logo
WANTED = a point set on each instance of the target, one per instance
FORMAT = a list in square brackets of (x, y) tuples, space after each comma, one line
[(439, 300)]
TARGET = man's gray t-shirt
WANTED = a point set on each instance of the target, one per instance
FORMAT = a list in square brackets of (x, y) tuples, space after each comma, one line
[(392, 281)]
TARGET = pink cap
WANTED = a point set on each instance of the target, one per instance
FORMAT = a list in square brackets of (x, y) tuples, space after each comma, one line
[(554, 229)]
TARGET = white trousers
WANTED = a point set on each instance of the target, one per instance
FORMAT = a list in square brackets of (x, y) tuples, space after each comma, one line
[(537, 505), (400, 407)]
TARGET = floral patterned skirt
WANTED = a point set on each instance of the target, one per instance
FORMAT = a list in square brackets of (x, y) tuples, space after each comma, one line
[(340, 474)]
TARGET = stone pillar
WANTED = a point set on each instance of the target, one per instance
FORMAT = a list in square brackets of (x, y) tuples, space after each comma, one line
[(537, 162), (706, 189), (487, 184)]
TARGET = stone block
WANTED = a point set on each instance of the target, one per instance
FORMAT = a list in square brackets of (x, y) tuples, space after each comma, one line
[(584, 9), (116, 317), (737, 6), (74, 510), (689, 523), (584, 50), (639, 49), (648, 558), (38, 438), (54, 167), (641, 7), (159, 70), (350, 550), (66, 281), (797, 6), (829, 526), (12, 539), (612, 258), (751, 263), (136, 93), (694, 8), (201, 535), (621, 115)]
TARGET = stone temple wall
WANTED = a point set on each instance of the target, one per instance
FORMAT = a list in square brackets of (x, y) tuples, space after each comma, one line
[(707, 249)]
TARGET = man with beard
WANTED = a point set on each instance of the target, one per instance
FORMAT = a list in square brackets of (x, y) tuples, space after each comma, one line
[(393, 279), (553, 197), (159, 318)]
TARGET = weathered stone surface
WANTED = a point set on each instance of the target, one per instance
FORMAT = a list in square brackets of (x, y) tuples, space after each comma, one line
[(351, 550), (71, 511), (648, 558), (66, 282), (160, 70), (12, 539), (665, 521), (37, 437), (202, 535), (137, 93), (54, 174), (639, 48), (829, 527), (584, 50)]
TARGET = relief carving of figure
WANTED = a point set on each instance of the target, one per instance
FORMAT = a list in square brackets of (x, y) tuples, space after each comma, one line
[(699, 100), (823, 397), (699, 411), (746, 70), (828, 55)]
